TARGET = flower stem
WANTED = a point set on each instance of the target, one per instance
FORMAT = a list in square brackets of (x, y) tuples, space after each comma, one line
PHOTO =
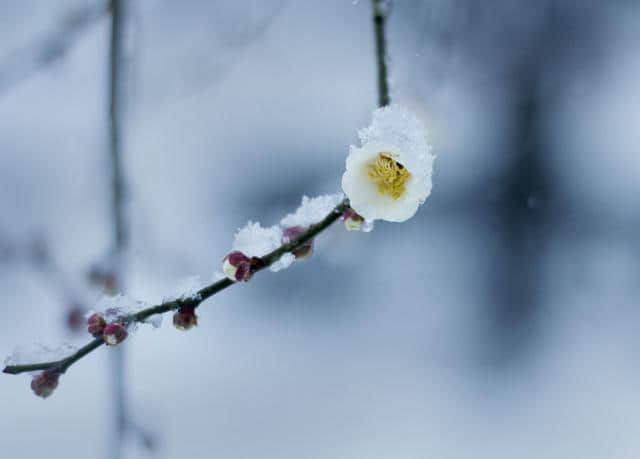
[(379, 24)]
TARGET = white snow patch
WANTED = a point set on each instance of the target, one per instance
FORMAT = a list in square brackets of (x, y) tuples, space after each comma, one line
[(120, 306), (312, 210), (38, 353)]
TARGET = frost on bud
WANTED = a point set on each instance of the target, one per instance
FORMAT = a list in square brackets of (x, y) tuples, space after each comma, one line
[(237, 266), (185, 318), (114, 333), (352, 220), (96, 325), (305, 250), (45, 383)]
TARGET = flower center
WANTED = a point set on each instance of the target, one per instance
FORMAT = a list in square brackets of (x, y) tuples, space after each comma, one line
[(389, 175)]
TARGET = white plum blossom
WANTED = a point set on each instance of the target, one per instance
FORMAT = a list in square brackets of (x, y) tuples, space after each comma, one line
[(389, 176)]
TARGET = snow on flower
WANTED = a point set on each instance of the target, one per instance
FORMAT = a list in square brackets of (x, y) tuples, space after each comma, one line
[(253, 240), (389, 176), (312, 210)]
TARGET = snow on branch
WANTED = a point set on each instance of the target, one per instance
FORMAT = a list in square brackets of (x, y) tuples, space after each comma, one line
[(387, 177)]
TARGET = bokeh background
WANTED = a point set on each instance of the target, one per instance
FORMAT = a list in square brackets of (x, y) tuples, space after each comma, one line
[(500, 322)]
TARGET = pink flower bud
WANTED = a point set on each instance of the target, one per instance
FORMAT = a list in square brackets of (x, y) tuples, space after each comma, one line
[(185, 318), (96, 325), (352, 220), (304, 251), (45, 383), (237, 267), (114, 333)]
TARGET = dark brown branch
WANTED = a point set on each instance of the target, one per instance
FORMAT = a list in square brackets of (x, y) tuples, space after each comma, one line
[(380, 11), (204, 293)]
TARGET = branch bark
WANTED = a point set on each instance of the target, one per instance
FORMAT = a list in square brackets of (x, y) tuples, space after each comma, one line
[(203, 294), (380, 11)]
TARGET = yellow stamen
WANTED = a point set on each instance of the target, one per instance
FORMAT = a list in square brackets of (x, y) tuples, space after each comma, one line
[(389, 175)]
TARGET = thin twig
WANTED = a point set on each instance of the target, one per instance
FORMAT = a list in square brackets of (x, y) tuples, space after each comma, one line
[(380, 11), (115, 111), (195, 301)]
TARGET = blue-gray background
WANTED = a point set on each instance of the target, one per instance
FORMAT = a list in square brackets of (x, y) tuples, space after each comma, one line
[(500, 322)]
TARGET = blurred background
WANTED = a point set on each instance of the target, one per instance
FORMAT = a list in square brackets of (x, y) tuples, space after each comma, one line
[(500, 322)]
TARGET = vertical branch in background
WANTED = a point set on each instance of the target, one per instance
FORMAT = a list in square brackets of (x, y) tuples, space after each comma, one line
[(117, 180), (380, 11), (117, 215)]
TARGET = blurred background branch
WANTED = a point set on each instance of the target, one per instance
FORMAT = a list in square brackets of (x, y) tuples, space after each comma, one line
[(24, 62), (117, 359)]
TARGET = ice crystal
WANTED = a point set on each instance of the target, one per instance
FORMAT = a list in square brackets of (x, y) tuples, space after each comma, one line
[(255, 240), (312, 210), (187, 289), (36, 352), (119, 307)]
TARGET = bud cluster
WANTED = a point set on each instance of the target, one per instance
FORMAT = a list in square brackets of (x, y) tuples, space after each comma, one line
[(112, 333), (239, 267)]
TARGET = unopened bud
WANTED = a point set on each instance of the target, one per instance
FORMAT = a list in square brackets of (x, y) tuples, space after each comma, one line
[(185, 318), (96, 325), (305, 249), (45, 383), (237, 267), (114, 333), (352, 220)]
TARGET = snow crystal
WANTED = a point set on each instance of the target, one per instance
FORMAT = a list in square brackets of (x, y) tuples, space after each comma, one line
[(256, 241), (312, 210), (120, 306), (37, 353), (187, 289), (284, 262), (155, 321), (218, 275), (397, 126)]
